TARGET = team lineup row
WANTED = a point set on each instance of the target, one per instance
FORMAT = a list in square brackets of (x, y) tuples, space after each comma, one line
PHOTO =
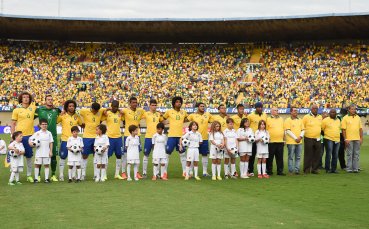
[(270, 133)]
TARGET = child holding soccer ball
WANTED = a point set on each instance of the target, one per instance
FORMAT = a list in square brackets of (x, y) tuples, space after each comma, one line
[(101, 146), (245, 140), (217, 145), (75, 147), (132, 145), (195, 139), (262, 139), (16, 149), (231, 143), (159, 157)]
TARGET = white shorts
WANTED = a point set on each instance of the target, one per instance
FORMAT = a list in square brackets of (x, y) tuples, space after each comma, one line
[(245, 147), (244, 153), (227, 156), (262, 155), (74, 163), (101, 159), (215, 154), (159, 161), (42, 160), (192, 154), (16, 169), (133, 161)]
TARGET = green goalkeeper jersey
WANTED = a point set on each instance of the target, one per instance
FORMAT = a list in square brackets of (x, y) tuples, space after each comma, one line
[(51, 115)]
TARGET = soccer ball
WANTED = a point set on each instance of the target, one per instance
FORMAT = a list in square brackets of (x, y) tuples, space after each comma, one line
[(251, 138), (99, 149), (35, 142), (13, 154), (234, 151), (185, 142), (219, 150), (265, 140), (76, 149)]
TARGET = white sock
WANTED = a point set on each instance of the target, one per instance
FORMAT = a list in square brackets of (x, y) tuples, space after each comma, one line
[(205, 164), (191, 169), (29, 166), (70, 173), (12, 176), (84, 167), (183, 162), (106, 166), (37, 170), (219, 168), (79, 174), (61, 168), (233, 168), (155, 170), (259, 169), (118, 166), (145, 161), (162, 170), (124, 163), (96, 170), (17, 176), (97, 174), (246, 167), (226, 172), (166, 165), (196, 169), (47, 170), (213, 169), (263, 166), (187, 170), (242, 165), (135, 169), (103, 173), (129, 170), (74, 172)]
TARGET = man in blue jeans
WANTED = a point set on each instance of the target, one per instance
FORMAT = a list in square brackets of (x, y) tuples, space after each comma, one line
[(331, 128)]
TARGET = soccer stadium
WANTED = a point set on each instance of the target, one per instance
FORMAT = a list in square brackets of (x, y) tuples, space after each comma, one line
[(184, 114)]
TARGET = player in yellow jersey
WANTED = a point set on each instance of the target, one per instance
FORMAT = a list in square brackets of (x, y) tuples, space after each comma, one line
[(113, 120), (222, 117), (203, 119), (239, 116), (132, 116), (22, 120), (91, 118), (152, 118), (68, 119), (176, 117)]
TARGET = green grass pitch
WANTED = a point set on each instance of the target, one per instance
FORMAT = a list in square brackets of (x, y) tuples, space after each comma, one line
[(304, 201)]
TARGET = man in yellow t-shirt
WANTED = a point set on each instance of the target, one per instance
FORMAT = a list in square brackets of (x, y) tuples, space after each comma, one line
[(274, 126), (312, 148), (352, 131), (239, 116), (222, 117), (22, 120), (295, 131), (176, 117), (331, 127)]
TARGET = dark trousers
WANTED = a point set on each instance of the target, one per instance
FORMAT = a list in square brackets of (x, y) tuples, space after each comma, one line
[(252, 158), (312, 150), (275, 150), (341, 153)]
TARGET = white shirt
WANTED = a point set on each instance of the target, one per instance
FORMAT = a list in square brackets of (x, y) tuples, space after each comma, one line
[(45, 138), (217, 137), (74, 142), (2, 143), (159, 141), (102, 140), (261, 147), (20, 147), (231, 136), (194, 137), (132, 144)]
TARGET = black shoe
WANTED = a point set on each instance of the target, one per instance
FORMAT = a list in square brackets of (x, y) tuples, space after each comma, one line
[(78, 180), (314, 172), (70, 181), (270, 173), (334, 171), (297, 173), (47, 181), (281, 174), (35, 181), (356, 171)]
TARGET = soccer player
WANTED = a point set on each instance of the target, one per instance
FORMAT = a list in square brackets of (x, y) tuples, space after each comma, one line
[(159, 157), (239, 116), (16, 161), (68, 118), (176, 117), (101, 146), (131, 116), (152, 118), (44, 151), (132, 145), (230, 141), (91, 118), (22, 120), (50, 113), (203, 119), (113, 120), (74, 157), (222, 117), (255, 117)]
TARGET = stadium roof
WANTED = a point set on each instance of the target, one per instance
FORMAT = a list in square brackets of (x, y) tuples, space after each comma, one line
[(172, 30)]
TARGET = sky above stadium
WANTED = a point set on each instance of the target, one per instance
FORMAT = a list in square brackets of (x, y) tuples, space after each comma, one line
[(180, 8)]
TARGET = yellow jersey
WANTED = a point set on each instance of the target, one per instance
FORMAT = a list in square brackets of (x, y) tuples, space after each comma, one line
[(313, 125), (176, 120), (132, 118), (113, 121), (352, 124), (274, 126), (222, 120), (67, 122), (237, 120), (91, 121), (296, 126), (255, 119), (331, 128), (25, 119), (152, 119), (203, 120)]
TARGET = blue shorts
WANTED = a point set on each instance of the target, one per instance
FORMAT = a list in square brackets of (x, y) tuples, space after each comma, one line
[(148, 146), (88, 146), (204, 148), (63, 150), (116, 145), (28, 151), (173, 142)]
